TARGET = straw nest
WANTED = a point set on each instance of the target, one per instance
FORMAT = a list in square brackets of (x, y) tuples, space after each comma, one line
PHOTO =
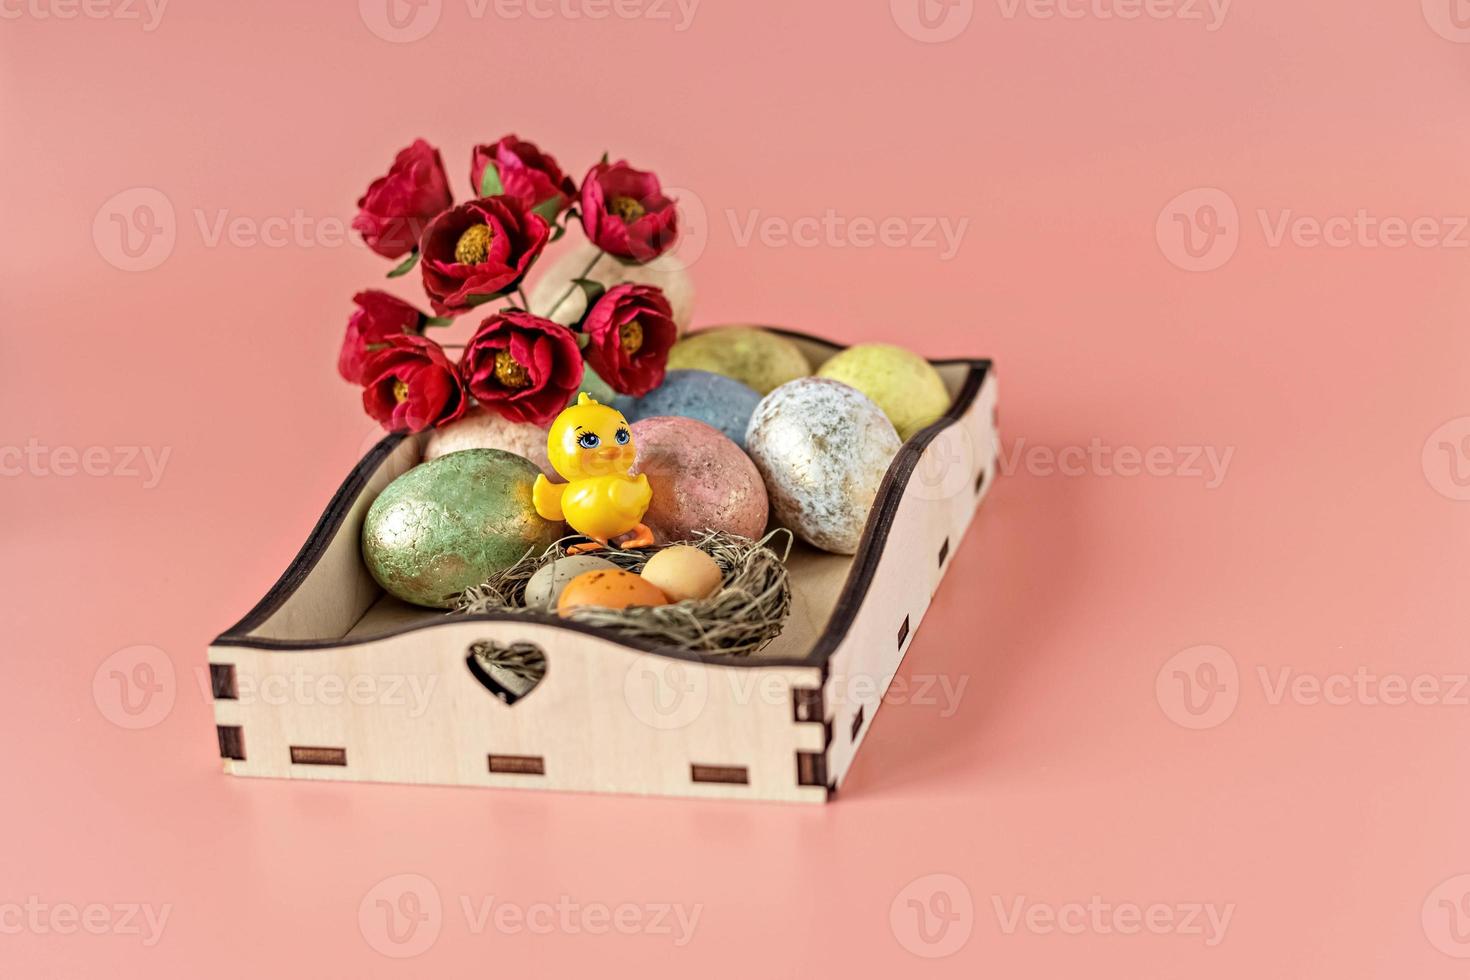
[(745, 614)]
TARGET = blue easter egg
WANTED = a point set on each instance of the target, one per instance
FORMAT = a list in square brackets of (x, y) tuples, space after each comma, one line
[(715, 400)]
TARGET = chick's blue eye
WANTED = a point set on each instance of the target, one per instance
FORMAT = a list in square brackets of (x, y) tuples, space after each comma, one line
[(623, 437), (588, 440)]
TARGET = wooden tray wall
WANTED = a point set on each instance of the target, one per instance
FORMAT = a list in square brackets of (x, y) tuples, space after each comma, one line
[(609, 714)]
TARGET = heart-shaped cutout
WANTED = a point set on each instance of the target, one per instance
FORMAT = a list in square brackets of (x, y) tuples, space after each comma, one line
[(508, 671)]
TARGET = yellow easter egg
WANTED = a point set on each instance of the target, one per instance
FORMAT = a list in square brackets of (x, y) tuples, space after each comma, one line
[(755, 357), (683, 572), (905, 386), (608, 589)]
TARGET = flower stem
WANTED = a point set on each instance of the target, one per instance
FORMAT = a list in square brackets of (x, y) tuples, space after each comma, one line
[(525, 303), (572, 286)]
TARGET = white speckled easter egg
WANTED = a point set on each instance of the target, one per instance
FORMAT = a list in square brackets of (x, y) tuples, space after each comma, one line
[(555, 297), (905, 386), (481, 428), (755, 357), (823, 448), (701, 481), (710, 398), (546, 586)]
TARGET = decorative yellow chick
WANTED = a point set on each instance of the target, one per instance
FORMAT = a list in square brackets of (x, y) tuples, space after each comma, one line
[(591, 446)]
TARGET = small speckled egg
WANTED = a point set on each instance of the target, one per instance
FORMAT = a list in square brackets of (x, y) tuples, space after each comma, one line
[(554, 296), (608, 589), (701, 481), (905, 386), (545, 587), (482, 428), (711, 398), (453, 522), (682, 572), (755, 357), (823, 448)]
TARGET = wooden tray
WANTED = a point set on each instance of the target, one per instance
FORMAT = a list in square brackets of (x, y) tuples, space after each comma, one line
[(330, 678)]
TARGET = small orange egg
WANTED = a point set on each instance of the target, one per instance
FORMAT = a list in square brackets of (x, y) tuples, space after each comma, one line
[(608, 589)]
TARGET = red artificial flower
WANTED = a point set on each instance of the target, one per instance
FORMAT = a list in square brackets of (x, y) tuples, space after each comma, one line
[(534, 179), (399, 205), (408, 383), (378, 316), (625, 212), (478, 251), (523, 366), (631, 328)]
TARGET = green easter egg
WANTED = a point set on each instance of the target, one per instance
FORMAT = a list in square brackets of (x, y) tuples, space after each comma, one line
[(451, 523), (752, 356), (903, 384)]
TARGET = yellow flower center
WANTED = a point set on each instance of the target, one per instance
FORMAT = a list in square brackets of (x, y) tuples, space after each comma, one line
[(628, 208), (630, 337), (474, 245), (400, 391), (509, 371)]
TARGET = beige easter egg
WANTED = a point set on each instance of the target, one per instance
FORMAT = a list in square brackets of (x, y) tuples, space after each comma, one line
[(683, 572), (482, 428)]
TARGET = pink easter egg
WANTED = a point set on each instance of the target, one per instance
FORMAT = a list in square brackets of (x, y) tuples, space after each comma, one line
[(701, 480), (481, 428)]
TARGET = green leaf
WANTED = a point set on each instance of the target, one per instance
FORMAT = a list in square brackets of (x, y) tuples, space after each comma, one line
[(482, 299), (438, 321), (490, 181), (604, 156), (405, 266), (592, 289), (564, 222), (548, 208)]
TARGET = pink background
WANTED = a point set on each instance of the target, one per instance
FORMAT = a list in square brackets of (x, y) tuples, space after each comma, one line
[(1335, 543)]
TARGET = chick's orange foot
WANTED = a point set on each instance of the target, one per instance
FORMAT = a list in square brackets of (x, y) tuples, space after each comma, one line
[(639, 537)]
